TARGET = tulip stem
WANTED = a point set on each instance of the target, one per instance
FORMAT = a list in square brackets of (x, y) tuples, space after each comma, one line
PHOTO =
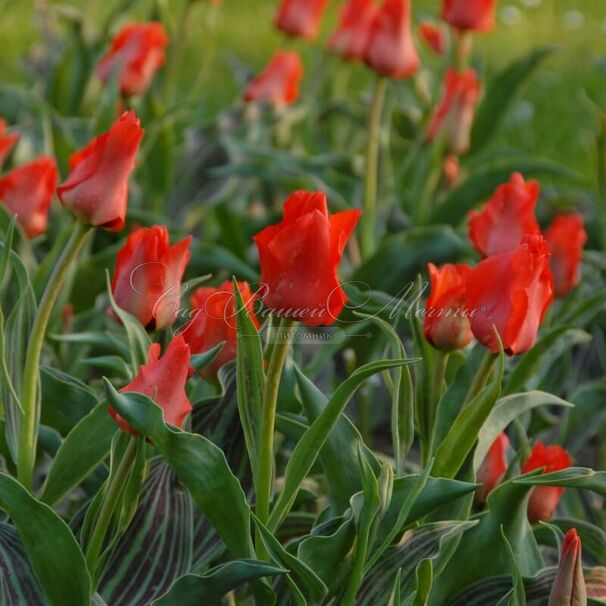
[(30, 400), (481, 377), (268, 418), (369, 218), (115, 485), (436, 388), (463, 50)]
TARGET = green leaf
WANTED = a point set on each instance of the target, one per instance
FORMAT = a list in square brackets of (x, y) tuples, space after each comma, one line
[(53, 551), (517, 595), (573, 477), (593, 538), (208, 589), (200, 361), (84, 448), (200, 466), (424, 576)]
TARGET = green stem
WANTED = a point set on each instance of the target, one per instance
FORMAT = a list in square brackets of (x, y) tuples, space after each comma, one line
[(365, 424), (436, 388), (115, 486), (601, 157), (369, 218), (268, 420), (481, 377), (28, 428), (463, 50)]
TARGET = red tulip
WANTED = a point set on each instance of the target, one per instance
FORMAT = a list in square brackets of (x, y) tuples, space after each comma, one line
[(7, 142), (351, 36), (300, 18), (278, 83), (493, 467), (454, 115), (391, 51), (163, 380), (96, 189), (299, 259), (136, 54), (509, 216), (569, 585), (446, 323), (511, 291), (27, 191), (475, 15), (544, 499), (434, 36), (566, 237), (214, 321), (147, 279)]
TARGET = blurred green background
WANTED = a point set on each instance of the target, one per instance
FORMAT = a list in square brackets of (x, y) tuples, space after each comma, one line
[(553, 118)]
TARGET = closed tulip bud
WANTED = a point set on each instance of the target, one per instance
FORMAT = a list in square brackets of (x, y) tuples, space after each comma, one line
[(506, 218), (566, 237), (352, 33), (544, 499), (300, 18), (493, 467), (434, 36), (472, 15), (299, 259), (27, 191), (96, 189), (7, 142), (569, 585)]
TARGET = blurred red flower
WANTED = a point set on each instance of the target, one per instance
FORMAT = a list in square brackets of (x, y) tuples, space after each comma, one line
[(300, 18), (506, 218), (27, 191), (299, 259), (147, 278), (278, 83), (350, 38), (493, 467), (566, 237), (435, 36), (96, 189), (7, 142), (136, 54), (475, 15)]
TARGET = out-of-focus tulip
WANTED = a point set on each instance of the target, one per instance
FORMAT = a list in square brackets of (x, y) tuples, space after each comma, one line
[(493, 467), (569, 585), (566, 237), (300, 256), (27, 191), (300, 18), (350, 38), (434, 36), (512, 292), (474, 15), (136, 54), (96, 189), (7, 142), (147, 278), (506, 218), (544, 499)]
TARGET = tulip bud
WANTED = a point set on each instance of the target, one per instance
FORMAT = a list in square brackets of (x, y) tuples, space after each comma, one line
[(493, 467), (434, 36), (351, 36), (300, 18), (7, 142), (569, 585), (474, 15)]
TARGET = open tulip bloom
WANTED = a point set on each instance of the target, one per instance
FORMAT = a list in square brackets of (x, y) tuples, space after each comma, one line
[(302, 304)]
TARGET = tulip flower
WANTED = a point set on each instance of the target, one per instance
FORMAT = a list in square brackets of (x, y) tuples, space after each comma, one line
[(27, 191), (453, 118), (446, 323), (351, 36), (569, 585), (512, 292), (566, 237), (7, 142), (147, 278), (300, 18), (544, 499), (136, 54), (391, 51), (163, 379), (214, 321), (96, 189), (299, 258), (472, 15), (434, 36), (507, 218), (493, 467), (278, 83)]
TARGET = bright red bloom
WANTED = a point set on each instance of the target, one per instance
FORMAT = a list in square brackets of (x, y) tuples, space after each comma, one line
[(163, 380), (475, 15), (7, 142), (96, 189), (435, 36), (454, 115), (493, 467), (214, 321), (569, 587), (278, 83), (391, 50), (147, 279), (512, 292), (27, 191), (566, 237), (446, 323), (136, 54), (545, 499), (350, 38), (300, 18), (509, 216), (299, 259)]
